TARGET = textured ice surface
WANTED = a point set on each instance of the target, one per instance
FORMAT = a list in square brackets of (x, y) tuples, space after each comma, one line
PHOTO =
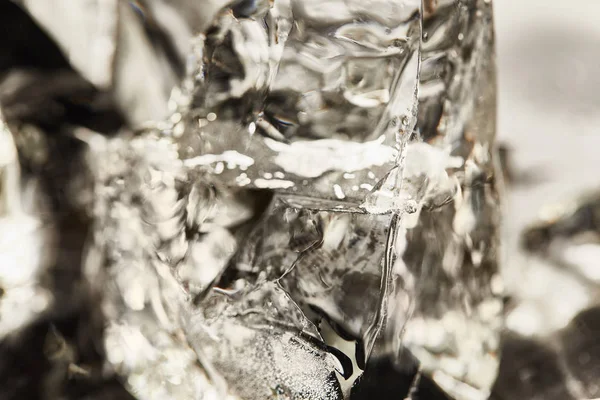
[(321, 96), (156, 269), (447, 308), (330, 263), (262, 345), (373, 125)]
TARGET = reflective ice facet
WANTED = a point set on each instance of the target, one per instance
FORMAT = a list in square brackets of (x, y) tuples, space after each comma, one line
[(307, 97)]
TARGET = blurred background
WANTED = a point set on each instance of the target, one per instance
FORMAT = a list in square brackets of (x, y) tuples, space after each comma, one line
[(548, 123), (548, 100), (548, 55)]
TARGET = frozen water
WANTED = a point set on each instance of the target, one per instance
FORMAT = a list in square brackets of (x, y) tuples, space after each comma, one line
[(309, 95), (323, 190), (373, 125)]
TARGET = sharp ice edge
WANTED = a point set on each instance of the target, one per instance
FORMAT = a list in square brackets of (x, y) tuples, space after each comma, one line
[(324, 260), (452, 331)]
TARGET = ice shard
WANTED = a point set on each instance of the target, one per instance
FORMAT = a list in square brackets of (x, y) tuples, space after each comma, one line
[(373, 124)]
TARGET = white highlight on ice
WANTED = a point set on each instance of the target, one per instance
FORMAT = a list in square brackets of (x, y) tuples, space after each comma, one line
[(313, 158)]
